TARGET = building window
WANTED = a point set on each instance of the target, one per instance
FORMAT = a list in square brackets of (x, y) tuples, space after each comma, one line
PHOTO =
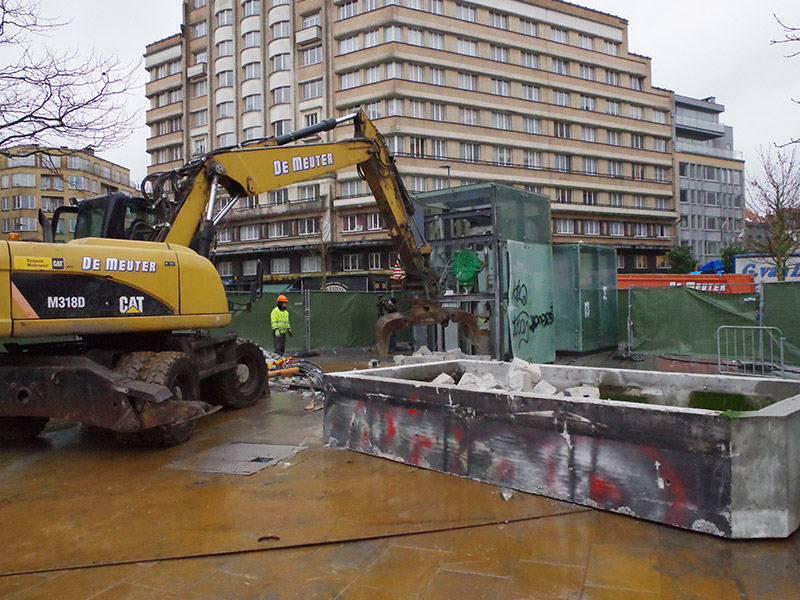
[(51, 182), (470, 152), (637, 141), (352, 188), (349, 80), (351, 262), (562, 130), (310, 264), (563, 163), (659, 116), (225, 79), (311, 56), (532, 159), (589, 134), (436, 7), (467, 47), (438, 112), (612, 77), (279, 266), (588, 72), (561, 98), (225, 17), (560, 66), (416, 73), (559, 35), (393, 33), (394, 70), (307, 226), (435, 40), (637, 112), (278, 229), (611, 48), (590, 167), (253, 133), (527, 27), (565, 226), (375, 261), (312, 89), (416, 147), (375, 222), (659, 144), (351, 224), (532, 125), (348, 9), (615, 168), (614, 137), (372, 38), (639, 172), (529, 59), (438, 149), (468, 82), (588, 103), (465, 13), (24, 201), (26, 180), (249, 232), (277, 197), (498, 53), (661, 263), (252, 102), (613, 108), (395, 107), (501, 121), (498, 20), (500, 87), (468, 116), (199, 3), (637, 83), (251, 7), (660, 174), (591, 227), (281, 62), (586, 42), (502, 156), (437, 75), (199, 88), (199, 29), (531, 92), (640, 230), (616, 229), (252, 39), (638, 201), (308, 193), (225, 109), (415, 37), (349, 44)]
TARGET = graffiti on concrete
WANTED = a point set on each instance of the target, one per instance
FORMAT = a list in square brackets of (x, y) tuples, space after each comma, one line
[(642, 480)]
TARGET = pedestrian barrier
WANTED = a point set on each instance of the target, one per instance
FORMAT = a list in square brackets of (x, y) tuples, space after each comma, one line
[(750, 351)]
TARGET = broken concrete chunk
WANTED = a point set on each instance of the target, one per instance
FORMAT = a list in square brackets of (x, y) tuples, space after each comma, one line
[(482, 382), (443, 379), (423, 351), (519, 381), (583, 391), (454, 354), (545, 388)]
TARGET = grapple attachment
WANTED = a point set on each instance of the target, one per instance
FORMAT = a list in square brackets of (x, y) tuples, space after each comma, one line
[(426, 313)]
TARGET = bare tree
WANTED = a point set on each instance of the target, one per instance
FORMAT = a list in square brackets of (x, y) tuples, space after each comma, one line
[(52, 100), (775, 196), (790, 34)]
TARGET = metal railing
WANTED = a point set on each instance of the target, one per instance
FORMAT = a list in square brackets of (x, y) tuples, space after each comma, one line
[(750, 351)]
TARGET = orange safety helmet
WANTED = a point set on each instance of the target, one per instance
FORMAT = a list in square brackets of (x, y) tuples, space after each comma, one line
[(283, 298)]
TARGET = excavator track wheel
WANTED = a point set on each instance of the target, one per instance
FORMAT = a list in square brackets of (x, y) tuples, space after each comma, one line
[(173, 370), (242, 386)]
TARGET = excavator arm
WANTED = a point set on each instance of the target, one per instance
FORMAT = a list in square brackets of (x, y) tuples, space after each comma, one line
[(270, 165)]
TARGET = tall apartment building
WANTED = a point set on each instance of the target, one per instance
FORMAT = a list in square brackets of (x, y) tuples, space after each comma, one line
[(540, 94), (33, 178), (711, 179)]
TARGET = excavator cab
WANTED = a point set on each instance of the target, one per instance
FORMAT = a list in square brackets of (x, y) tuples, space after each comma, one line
[(113, 216)]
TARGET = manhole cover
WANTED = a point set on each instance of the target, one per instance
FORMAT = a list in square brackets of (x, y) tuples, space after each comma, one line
[(237, 458)]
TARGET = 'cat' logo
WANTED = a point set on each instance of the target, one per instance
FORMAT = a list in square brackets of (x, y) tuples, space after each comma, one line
[(131, 305)]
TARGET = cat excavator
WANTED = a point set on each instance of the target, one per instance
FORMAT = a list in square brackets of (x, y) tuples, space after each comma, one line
[(131, 298)]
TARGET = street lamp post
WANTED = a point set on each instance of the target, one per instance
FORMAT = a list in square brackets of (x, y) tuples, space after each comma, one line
[(448, 173)]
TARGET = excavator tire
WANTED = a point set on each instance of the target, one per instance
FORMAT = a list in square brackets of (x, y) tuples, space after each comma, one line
[(175, 371), (242, 386), (19, 429)]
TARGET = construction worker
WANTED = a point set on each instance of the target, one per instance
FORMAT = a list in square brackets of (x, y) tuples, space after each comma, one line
[(280, 324)]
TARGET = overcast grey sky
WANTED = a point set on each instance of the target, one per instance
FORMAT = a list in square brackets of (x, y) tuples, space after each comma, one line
[(699, 48)]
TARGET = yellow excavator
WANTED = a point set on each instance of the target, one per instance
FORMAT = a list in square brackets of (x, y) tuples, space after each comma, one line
[(135, 293)]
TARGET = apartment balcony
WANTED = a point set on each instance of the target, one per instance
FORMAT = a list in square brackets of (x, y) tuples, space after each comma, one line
[(309, 35), (702, 129), (272, 211), (703, 150), (198, 70)]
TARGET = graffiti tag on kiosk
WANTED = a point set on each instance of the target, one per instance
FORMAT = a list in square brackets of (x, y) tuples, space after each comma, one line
[(302, 163), (520, 293), (524, 325)]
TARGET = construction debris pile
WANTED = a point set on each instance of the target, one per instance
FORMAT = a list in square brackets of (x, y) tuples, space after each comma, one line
[(522, 376), (294, 373)]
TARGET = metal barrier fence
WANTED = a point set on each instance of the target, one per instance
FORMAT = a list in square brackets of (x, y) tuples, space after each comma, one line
[(750, 350)]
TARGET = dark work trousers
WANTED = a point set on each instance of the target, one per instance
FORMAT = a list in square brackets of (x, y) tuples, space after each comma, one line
[(280, 342)]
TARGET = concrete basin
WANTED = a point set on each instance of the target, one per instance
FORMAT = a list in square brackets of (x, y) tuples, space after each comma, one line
[(650, 455)]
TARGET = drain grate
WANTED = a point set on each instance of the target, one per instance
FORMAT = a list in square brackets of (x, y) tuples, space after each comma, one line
[(237, 458)]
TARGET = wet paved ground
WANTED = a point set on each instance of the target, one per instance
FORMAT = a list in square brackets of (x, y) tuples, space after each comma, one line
[(81, 518)]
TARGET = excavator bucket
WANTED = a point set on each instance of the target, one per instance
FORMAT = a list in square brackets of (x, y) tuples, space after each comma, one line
[(426, 314)]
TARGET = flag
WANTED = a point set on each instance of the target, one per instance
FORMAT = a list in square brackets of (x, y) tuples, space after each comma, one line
[(398, 272)]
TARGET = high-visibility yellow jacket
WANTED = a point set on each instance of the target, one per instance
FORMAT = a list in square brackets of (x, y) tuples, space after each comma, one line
[(280, 320)]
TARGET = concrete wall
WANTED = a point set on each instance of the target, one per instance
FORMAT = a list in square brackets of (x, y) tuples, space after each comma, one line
[(686, 467)]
